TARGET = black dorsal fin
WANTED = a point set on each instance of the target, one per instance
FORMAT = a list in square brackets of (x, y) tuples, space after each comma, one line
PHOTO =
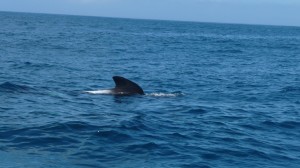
[(126, 86)]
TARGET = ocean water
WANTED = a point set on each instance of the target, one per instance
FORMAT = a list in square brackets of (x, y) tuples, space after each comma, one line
[(217, 95)]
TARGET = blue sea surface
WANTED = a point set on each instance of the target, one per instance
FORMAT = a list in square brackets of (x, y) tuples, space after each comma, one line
[(217, 95)]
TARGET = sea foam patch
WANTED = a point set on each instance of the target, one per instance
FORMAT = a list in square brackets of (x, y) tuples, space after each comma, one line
[(159, 94), (106, 91)]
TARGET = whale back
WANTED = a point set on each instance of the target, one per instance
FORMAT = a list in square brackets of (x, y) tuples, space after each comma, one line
[(126, 87)]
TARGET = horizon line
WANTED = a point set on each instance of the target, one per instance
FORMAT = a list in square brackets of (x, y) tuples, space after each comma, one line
[(153, 19)]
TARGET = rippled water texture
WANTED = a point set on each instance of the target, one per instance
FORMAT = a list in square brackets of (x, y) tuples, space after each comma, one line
[(217, 95)]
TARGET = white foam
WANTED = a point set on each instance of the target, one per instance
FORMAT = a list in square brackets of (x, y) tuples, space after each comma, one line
[(159, 94), (99, 91), (164, 94)]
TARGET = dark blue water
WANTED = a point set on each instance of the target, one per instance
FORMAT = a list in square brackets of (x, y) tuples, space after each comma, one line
[(217, 95)]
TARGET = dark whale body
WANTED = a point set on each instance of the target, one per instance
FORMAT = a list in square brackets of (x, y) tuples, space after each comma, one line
[(126, 87)]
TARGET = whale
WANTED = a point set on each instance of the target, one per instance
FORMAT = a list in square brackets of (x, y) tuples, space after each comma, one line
[(125, 87)]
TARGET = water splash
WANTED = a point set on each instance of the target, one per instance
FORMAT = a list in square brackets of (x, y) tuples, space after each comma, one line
[(160, 94), (102, 92)]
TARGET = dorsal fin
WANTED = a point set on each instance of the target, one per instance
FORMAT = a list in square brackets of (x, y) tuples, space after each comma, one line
[(126, 86)]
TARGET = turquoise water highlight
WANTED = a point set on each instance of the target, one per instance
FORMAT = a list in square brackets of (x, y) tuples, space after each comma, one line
[(217, 95)]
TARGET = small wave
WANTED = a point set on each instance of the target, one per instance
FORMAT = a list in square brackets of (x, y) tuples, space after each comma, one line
[(196, 164), (28, 64), (10, 87), (99, 92), (136, 123), (210, 156), (283, 124), (175, 94), (197, 111), (177, 135), (42, 141), (67, 127), (142, 148), (291, 89), (113, 136), (230, 51)]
